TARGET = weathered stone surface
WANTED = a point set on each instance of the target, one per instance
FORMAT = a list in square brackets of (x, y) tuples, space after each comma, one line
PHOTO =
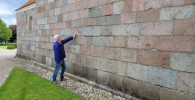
[(137, 71), (116, 67), (92, 74), (97, 51), (128, 55), (141, 42), (44, 20), (162, 77), (67, 31), (91, 31), (106, 30), (182, 12), (68, 24), (114, 81), (120, 41), (90, 21), (170, 3), (186, 82), (183, 62), (102, 77), (148, 16), (86, 50), (103, 41), (108, 20), (137, 5), (48, 61), (149, 91), (54, 19), (157, 28), (107, 9), (168, 94), (184, 27), (131, 29), (154, 58), (128, 6), (43, 60), (176, 43), (85, 72), (189, 1), (128, 18), (51, 26), (60, 18), (118, 7), (150, 4), (77, 70), (52, 5), (112, 53), (49, 1), (94, 12), (57, 11), (74, 49), (129, 86)]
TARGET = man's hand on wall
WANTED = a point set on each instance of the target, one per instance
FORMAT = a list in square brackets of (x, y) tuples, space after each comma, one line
[(75, 34)]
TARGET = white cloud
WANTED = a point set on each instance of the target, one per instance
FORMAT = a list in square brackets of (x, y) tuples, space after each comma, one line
[(9, 21), (6, 9)]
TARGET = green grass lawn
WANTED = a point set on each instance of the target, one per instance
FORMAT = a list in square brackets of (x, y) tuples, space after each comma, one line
[(23, 85), (3, 47)]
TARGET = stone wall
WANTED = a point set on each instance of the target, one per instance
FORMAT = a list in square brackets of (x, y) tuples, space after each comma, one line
[(141, 47)]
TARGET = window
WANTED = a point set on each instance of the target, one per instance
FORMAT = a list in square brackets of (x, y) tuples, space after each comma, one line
[(30, 23)]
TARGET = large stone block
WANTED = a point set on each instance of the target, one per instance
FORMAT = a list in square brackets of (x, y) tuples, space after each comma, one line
[(103, 41), (57, 10), (120, 41), (84, 13), (92, 74), (44, 20), (128, 6), (77, 70), (90, 21), (94, 12), (108, 20), (182, 12), (148, 16), (183, 62), (115, 81), (141, 42), (157, 28), (67, 31), (131, 29), (102, 77), (68, 24), (107, 9), (97, 51), (54, 19), (43, 61), (118, 7), (85, 72), (52, 5), (154, 58), (186, 82), (162, 77), (60, 18), (176, 43), (68, 67), (170, 3), (116, 67), (129, 86), (168, 94), (47, 26), (150, 4), (184, 27), (49, 1), (128, 55), (112, 53), (110, 1), (74, 49), (86, 50), (189, 1), (148, 91), (137, 5), (106, 30), (137, 71), (91, 31), (128, 18), (48, 61)]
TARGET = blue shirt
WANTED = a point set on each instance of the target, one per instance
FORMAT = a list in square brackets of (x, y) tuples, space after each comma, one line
[(59, 52)]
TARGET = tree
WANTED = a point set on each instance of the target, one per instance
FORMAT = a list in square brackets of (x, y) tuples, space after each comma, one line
[(13, 28), (5, 32)]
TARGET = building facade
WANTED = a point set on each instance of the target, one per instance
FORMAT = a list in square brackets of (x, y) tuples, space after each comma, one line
[(143, 48)]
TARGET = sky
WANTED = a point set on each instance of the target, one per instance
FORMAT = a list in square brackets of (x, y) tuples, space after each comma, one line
[(7, 10)]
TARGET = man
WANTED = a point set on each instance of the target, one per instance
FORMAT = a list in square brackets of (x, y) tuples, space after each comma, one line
[(59, 55)]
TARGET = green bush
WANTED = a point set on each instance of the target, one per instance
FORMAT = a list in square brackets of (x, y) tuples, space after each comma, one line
[(11, 47)]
